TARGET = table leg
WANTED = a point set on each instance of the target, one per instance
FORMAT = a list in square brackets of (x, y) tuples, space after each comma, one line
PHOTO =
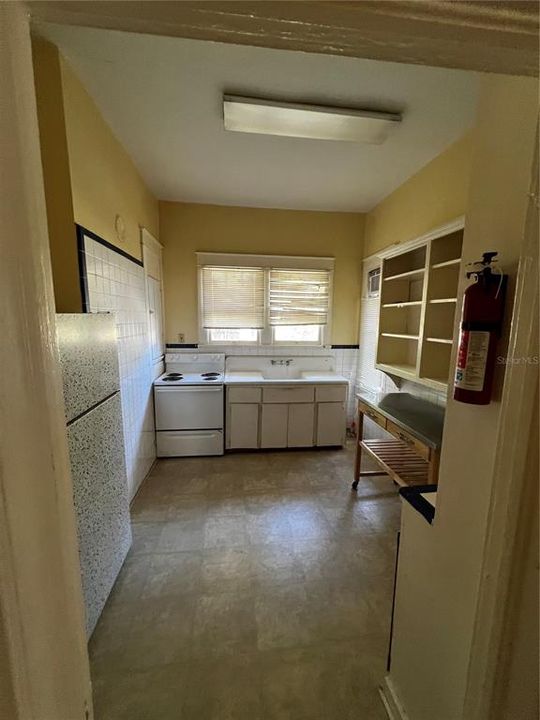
[(358, 456), (433, 467)]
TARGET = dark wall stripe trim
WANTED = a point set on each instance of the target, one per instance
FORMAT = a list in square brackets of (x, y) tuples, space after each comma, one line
[(413, 495), (89, 410), (83, 275), (194, 345), (101, 241)]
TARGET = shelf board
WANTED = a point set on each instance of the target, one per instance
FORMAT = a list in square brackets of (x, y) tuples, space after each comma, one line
[(401, 370), (409, 274), (403, 336), (446, 263), (444, 341), (409, 303), (408, 372), (437, 301), (403, 465), (435, 383)]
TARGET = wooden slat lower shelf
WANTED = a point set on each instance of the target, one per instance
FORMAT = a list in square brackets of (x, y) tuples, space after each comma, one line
[(403, 465)]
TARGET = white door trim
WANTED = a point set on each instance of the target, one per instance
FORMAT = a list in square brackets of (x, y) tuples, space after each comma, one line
[(517, 407), (392, 705), (44, 664), (152, 254)]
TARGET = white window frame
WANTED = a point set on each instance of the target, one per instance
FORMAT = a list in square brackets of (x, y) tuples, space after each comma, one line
[(265, 337)]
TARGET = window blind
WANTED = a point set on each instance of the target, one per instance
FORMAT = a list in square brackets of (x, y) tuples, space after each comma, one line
[(299, 297), (232, 297)]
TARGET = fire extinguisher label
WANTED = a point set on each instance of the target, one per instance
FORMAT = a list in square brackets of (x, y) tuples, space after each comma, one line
[(472, 359)]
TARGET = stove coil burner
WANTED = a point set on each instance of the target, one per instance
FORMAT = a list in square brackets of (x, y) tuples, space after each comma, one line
[(171, 377), (210, 375)]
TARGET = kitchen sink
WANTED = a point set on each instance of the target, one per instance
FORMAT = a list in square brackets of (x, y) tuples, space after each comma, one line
[(247, 374), (301, 370)]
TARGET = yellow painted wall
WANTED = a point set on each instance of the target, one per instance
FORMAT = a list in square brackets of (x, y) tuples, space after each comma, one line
[(432, 197), (187, 228), (104, 180), (89, 177), (56, 175)]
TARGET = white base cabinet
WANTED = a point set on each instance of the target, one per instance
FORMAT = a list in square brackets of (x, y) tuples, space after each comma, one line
[(243, 425), (330, 423), (300, 427), (274, 426), (290, 416)]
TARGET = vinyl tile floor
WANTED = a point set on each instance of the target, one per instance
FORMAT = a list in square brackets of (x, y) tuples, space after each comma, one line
[(258, 587)]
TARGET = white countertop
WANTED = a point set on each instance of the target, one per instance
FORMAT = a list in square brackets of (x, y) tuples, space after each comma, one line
[(253, 378)]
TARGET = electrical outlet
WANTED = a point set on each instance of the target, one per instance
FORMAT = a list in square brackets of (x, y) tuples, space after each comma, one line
[(181, 338)]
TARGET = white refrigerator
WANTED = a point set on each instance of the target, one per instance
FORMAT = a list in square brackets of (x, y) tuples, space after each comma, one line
[(89, 359)]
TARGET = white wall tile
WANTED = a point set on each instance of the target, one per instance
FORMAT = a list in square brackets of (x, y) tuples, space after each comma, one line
[(117, 285), (345, 360)]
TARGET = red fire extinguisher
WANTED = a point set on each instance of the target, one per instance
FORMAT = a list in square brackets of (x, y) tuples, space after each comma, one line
[(481, 321)]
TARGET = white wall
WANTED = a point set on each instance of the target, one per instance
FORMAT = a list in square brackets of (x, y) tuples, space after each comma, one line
[(438, 585)]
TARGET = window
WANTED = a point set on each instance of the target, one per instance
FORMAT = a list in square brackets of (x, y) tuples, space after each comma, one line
[(374, 282), (233, 297), (240, 335), (262, 303), (298, 333)]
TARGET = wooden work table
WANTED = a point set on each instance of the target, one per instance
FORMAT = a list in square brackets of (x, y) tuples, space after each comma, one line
[(411, 455)]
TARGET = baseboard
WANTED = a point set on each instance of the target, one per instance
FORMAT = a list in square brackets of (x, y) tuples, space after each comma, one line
[(392, 705)]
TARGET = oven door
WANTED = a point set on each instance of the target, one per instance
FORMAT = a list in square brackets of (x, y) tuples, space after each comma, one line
[(191, 407)]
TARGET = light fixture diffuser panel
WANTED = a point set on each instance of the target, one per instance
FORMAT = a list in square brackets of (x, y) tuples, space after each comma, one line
[(263, 117)]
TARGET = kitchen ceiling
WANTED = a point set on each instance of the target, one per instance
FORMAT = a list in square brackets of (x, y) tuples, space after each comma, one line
[(162, 97)]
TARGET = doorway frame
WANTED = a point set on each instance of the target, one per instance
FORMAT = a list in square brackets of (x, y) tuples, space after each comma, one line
[(33, 693)]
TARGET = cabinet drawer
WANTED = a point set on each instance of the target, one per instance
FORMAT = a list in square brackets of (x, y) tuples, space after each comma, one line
[(409, 439), (295, 393), (331, 393), (244, 394), (372, 414)]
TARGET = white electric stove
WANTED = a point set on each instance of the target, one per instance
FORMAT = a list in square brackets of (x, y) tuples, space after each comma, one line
[(189, 405)]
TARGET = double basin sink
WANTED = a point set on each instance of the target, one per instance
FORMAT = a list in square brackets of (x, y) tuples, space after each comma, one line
[(278, 376)]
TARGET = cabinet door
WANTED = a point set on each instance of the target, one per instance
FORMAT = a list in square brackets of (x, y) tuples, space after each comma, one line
[(274, 425), (331, 423), (300, 431), (243, 429)]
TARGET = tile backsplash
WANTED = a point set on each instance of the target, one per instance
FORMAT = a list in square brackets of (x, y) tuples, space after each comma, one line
[(345, 359), (116, 284)]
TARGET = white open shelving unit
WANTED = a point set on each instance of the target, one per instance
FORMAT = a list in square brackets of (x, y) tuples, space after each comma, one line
[(417, 308)]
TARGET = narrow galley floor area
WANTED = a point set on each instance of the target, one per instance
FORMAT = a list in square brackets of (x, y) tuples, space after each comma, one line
[(258, 587)]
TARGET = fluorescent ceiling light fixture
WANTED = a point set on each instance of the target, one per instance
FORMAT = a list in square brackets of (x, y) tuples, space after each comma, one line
[(265, 117)]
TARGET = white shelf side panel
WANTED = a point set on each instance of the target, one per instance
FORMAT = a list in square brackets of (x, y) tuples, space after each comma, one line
[(367, 374)]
